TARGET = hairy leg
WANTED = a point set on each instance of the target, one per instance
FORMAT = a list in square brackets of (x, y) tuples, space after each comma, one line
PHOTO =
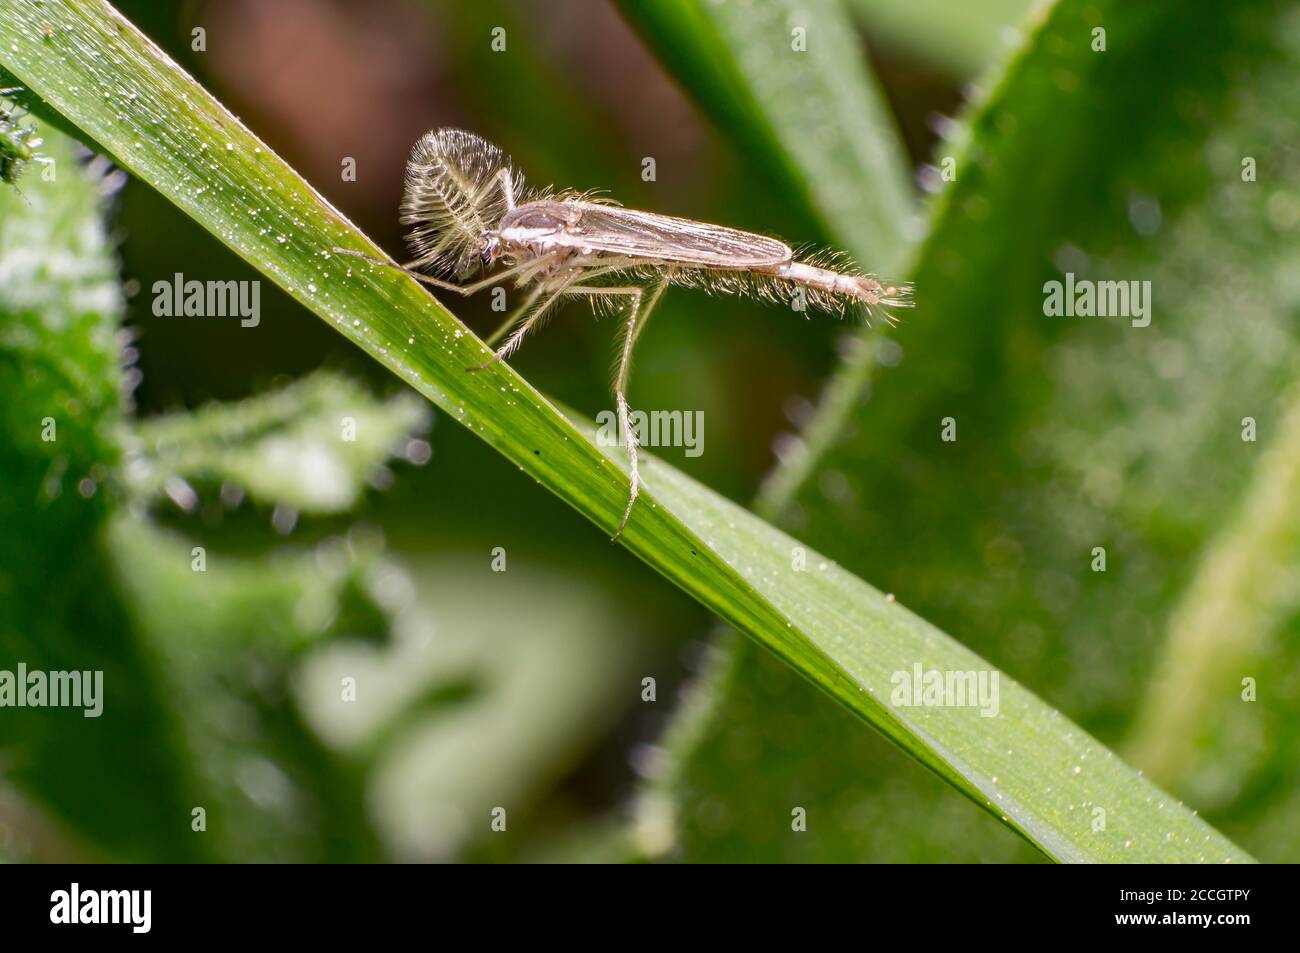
[(514, 316), (517, 336), (536, 293), (580, 271), (467, 290), (643, 301)]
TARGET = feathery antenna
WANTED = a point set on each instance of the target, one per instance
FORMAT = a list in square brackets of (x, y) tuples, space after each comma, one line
[(455, 195)]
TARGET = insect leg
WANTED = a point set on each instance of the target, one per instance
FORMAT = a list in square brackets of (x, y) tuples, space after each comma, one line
[(466, 290), (643, 302), (517, 337), (514, 317), (519, 312)]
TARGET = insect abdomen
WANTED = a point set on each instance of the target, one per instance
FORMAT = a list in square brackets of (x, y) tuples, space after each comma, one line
[(868, 291)]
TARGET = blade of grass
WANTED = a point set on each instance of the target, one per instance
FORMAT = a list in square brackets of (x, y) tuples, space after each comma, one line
[(789, 81), (1029, 766), (962, 38), (1240, 603)]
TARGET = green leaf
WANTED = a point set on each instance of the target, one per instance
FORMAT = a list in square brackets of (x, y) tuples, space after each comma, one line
[(60, 611), (1073, 433), (1219, 718), (224, 637), (961, 37), (1029, 765), (468, 707), (311, 446), (277, 602)]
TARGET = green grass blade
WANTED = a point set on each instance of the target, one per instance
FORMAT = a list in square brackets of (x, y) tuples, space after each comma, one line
[(1236, 621), (788, 80), (962, 38), (1029, 765)]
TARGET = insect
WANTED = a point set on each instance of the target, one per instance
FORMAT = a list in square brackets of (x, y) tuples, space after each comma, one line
[(18, 143), (471, 212)]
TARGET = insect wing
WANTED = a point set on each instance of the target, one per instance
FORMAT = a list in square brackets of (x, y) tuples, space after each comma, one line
[(627, 232)]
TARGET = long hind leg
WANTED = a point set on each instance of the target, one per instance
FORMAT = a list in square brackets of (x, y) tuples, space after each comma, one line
[(522, 321), (643, 301), (519, 270), (514, 317), (517, 336)]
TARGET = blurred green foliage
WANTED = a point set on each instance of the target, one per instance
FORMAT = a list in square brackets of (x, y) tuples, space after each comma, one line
[(195, 662), (310, 446), (62, 377)]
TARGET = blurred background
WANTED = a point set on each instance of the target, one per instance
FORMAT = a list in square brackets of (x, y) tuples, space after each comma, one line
[(524, 688)]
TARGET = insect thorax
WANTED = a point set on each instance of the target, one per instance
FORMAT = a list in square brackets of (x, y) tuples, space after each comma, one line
[(534, 222)]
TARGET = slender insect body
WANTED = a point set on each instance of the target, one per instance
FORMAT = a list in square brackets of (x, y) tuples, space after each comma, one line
[(470, 212), (588, 235)]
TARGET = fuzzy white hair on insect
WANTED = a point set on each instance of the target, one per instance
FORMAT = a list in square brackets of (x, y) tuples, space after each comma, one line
[(454, 196)]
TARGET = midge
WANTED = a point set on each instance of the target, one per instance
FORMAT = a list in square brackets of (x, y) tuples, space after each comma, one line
[(471, 212)]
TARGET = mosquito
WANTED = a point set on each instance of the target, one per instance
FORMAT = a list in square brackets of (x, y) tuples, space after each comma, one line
[(471, 212)]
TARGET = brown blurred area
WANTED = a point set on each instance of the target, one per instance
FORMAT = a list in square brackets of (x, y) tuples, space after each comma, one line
[(374, 76)]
